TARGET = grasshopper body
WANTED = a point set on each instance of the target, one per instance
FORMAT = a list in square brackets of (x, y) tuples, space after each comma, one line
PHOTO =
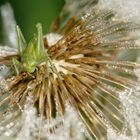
[(31, 54)]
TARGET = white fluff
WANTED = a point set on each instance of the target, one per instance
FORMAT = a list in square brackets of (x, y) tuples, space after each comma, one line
[(33, 125), (125, 9), (52, 38), (131, 105), (9, 25)]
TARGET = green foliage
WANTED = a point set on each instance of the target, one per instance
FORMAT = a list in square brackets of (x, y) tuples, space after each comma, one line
[(30, 12)]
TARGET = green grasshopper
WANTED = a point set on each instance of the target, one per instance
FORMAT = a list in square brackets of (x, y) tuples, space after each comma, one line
[(31, 54)]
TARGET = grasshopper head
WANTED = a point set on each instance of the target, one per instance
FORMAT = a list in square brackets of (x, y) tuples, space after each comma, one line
[(28, 68)]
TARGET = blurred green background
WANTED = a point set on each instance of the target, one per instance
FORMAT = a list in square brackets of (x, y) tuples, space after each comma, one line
[(29, 12)]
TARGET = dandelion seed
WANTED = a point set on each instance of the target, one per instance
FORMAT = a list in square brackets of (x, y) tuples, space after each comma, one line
[(86, 67)]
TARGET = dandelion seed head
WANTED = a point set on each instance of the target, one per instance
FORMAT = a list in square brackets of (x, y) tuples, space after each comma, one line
[(86, 85)]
